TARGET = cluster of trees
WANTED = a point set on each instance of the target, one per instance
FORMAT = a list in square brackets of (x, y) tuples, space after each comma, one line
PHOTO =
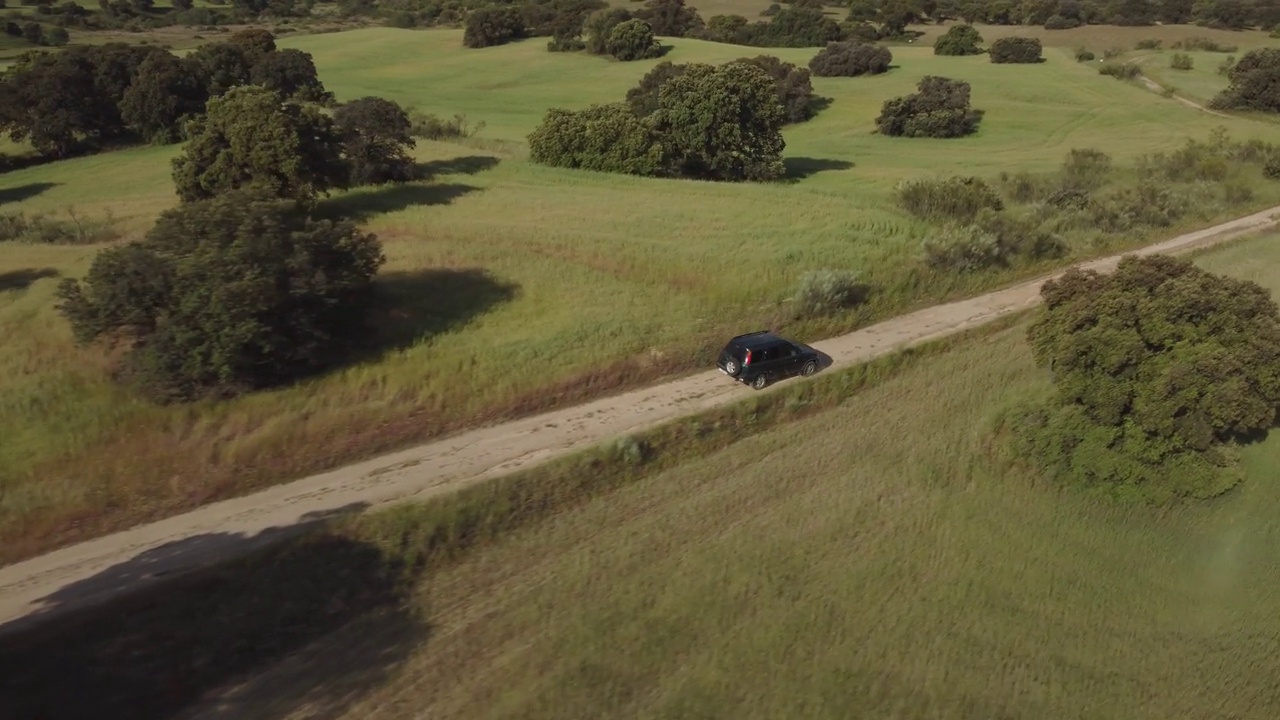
[(940, 108), (1255, 83), (89, 96), (958, 40), (850, 59), (1157, 369), (1065, 14), (240, 287), (36, 34), (142, 15), (698, 121)]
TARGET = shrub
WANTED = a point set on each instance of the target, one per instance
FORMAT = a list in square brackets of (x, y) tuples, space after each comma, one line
[(57, 37), (940, 109), (958, 40), (1224, 67), (958, 198), (431, 127), (1180, 61), (863, 31), (1059, 22), (1120, 71), (1255, 83), (823, 292), (632, 40), (1203, 44), (493, 25), (227, 295), (1156, 366), (40, 228), (1114, 52), (850, 59), (1086, 169), (604, 138), (1015, 50), (1083, 55), (963, 249), (599, 25), (670, 18), (1149, 44)]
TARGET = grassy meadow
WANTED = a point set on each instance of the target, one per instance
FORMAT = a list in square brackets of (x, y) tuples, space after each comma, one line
[(884, 558), (512, 287)]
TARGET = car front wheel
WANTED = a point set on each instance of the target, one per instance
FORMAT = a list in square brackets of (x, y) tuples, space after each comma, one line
[(809, 368), (759, 382)]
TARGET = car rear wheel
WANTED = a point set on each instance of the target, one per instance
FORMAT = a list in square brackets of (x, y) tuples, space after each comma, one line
[(809, 368), (731, 367), (759, 382)]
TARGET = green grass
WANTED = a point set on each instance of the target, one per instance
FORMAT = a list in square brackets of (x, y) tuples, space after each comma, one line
[(593, 281), (882, 558)]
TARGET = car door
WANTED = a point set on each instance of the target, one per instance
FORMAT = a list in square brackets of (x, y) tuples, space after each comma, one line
[(788, 359)]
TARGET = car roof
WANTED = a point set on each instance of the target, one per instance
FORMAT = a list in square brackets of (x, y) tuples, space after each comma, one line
[(757, 339)]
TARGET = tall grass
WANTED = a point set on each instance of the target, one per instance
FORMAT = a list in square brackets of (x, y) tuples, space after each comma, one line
[(512, 287), (882, 556)]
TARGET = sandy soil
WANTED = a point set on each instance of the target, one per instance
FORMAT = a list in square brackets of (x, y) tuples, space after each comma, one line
[(81, 575)]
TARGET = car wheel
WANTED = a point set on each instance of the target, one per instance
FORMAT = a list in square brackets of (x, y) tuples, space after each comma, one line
[(810, 368), (731, 367), (760, 382)]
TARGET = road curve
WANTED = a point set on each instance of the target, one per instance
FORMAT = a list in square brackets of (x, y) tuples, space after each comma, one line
[(82, 575)]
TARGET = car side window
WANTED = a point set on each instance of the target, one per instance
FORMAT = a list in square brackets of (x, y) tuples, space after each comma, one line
[(784, 351)]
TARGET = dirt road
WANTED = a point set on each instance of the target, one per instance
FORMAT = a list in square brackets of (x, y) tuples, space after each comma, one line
[(84, 574)]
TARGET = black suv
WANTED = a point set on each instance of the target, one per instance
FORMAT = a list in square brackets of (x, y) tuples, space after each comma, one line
[(759, 358)]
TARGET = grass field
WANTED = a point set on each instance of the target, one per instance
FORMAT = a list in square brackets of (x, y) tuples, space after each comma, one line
[(882, 559), (511, 286)]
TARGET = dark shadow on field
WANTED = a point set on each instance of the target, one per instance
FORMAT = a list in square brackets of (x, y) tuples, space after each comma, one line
[(799, 168), (150, 653), (465, 165), (24, 192), (365, 203), (22, 279), (819, 103), (410, 306)]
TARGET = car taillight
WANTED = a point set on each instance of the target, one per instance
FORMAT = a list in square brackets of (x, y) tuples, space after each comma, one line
[(748, 360)]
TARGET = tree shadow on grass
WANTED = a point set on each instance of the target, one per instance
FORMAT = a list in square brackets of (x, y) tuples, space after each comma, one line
[(22, 279), (799, 168), (817, 104), (465, 165), (24, 192), (149, 654), (411, 306), (364, 203)]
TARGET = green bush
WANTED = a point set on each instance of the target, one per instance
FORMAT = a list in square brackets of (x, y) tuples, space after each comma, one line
[(958, 198), (1149, 44), (1180, 61), (493, 25), (1224, 67), (1059, 22), (1203, 44), (1255, 83), (1083, 55), (432, 127), (1120, 71), (632, 40), (963, 249), (1086, 168), (1023, 50), (850, 59), (823, 292), (227, 295), (604, 138), (1157, 368), (939, 109), (960, 39)]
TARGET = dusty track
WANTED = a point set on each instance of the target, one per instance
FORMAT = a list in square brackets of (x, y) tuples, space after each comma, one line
[(93, 571)]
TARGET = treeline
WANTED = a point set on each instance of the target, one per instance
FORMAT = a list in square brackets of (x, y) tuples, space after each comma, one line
[(578, 24), (49, 20), (85, 98)]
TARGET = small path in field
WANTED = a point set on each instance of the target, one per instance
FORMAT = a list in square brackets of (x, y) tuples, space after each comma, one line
[(94, 571), (1158, 88)]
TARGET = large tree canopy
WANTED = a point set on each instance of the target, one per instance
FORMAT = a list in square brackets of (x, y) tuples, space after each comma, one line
[(251, 138), (227, 295), (1155, 366)]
